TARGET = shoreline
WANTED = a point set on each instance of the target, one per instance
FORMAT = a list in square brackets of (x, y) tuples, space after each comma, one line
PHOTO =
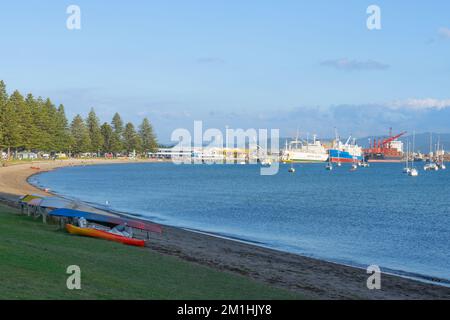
[(318, 279)]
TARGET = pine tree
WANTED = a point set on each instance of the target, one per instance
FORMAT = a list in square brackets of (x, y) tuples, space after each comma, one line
[(34, 138), (11, 125), (117, 144), (80, 134), (108, 137), (3, 101), (132, 140), (117, 124), (93, 125), (148, 138), (63, 140), (25, 120), (47, 126), (36, 124)]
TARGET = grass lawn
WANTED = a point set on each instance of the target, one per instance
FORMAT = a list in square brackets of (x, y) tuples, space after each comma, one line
[(34, 258)]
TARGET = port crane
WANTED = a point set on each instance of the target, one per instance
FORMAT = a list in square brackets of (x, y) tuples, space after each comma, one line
[(382, 147), (386, 143)]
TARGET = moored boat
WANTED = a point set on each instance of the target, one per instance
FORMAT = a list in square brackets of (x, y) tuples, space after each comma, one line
[(431, 165), (389, 149), (94, 233), (413, 172), (347, 152), (304, 151)]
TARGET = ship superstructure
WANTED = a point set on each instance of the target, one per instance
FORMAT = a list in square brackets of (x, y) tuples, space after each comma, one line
[(304, 151), (345, 152)]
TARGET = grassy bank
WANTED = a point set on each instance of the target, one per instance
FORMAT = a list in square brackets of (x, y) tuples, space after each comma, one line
[(34, 258)]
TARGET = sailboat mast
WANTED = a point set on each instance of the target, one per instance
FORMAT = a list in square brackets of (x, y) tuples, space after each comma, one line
[(431, 145), (413, 147), (407, 154)]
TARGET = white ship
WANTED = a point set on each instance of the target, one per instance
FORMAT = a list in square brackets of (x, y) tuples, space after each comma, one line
[(304, 151)]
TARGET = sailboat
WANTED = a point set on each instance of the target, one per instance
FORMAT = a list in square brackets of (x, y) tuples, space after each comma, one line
[(413, 171), (264, 158), (406, 169), (354, 166), (339, 151), (339, 163), (364, 163), (442, 163), (291, 169), (431, 165), (329, 165)]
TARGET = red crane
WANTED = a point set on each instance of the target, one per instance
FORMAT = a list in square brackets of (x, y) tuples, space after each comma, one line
[(387, 142), (382, 147)]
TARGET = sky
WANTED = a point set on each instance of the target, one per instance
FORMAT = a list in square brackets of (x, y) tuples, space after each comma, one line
[(290, 65)]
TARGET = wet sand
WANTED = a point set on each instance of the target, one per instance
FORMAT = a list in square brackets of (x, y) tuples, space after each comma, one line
[(313, 278)]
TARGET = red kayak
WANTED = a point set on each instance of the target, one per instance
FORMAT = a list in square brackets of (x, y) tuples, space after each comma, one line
[(94, 233)]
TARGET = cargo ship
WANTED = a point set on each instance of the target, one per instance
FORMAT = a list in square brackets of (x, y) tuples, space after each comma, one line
[(304, 151), (346, 152), (385, 150)]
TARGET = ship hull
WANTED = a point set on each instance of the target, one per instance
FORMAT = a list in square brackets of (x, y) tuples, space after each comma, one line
[(383, 158), (306, 157), (343, 156)]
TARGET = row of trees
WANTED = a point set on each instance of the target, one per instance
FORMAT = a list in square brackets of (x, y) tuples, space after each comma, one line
[(29, 123)]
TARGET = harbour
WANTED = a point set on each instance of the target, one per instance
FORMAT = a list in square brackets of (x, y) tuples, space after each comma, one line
[(311, 213), (388, 149), (207, 152)]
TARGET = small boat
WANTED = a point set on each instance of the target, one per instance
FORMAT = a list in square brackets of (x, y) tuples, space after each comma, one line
[(354, 166), (413, 172), (291, 169), (94, 233), (407, 169), (339, 164), (329, 165), (431, 166), (442, 162)]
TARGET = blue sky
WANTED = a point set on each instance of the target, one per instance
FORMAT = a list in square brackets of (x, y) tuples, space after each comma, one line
[(311, 65)]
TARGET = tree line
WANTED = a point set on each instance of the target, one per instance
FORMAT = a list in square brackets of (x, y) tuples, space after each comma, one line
[(36, 124)]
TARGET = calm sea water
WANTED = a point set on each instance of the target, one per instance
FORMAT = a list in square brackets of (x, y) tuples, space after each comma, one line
[(374, 215)]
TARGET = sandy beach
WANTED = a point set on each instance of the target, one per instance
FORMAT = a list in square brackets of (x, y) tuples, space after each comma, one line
[(314, 278)]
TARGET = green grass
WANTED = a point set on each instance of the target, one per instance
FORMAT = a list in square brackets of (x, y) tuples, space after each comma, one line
[(34, 258)]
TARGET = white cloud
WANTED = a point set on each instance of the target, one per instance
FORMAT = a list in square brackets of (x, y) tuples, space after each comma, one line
[(444, 32), (421, 104)]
